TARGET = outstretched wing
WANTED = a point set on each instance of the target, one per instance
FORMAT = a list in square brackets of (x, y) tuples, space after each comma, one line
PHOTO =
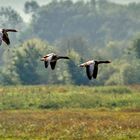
[(53, 64), (1, 38), (95, 71), (46, 64), (6, 38), (89, 71)]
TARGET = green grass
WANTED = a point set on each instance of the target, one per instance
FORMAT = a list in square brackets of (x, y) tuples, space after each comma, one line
[(58, 97), (69, 113)]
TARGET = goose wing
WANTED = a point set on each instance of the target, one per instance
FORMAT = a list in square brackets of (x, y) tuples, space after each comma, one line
[(46, 63), (53, 64), (0, 38), (95, 71), (6, 38), (89, 70)]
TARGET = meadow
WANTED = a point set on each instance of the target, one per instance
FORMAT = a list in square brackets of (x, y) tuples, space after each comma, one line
[(69, 112)]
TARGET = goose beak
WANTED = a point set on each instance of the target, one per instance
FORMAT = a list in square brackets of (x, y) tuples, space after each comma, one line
[(42, 59), (81, 65)]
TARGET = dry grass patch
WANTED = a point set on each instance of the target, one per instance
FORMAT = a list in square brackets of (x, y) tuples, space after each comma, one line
[(69, 124)]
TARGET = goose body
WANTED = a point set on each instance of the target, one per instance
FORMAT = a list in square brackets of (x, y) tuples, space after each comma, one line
[(92, 67), (4, 35), (51, 59)]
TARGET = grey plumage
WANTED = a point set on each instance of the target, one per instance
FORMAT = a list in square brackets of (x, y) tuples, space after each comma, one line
[(92, 68), (4, 35), (51, 59)]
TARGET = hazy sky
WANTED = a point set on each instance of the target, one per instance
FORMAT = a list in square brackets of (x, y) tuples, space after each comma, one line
[(19, 4)]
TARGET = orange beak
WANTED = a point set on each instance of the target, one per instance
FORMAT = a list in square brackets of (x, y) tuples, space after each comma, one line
[(82, 65), (42, 59)]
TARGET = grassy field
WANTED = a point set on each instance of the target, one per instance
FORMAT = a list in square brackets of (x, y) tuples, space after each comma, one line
[(69, 113), (70, 124), (58, 97)]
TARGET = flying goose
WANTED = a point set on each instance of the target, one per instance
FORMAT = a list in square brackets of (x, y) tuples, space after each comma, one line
[(4, 35), (92, 67), (52, 59)]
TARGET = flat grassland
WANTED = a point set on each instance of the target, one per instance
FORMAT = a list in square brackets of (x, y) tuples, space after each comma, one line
[(70, 113)]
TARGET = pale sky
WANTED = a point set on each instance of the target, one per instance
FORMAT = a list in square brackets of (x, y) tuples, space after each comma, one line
[(18, 5)]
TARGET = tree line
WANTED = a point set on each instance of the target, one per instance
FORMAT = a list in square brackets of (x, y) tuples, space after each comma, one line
[(82, 30)]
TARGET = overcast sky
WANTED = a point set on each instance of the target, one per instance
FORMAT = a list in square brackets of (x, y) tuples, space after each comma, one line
[(19, 4)]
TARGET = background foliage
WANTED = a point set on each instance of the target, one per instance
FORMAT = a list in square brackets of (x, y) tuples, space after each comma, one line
[(83, 31)]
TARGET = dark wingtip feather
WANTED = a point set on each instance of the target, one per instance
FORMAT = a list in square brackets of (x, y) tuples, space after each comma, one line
[(53, 64), (94, 76), (88, 73), (89, 78)]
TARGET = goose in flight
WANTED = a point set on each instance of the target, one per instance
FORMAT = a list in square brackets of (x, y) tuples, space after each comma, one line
[(4, 35), (92, 67), (52, 59)]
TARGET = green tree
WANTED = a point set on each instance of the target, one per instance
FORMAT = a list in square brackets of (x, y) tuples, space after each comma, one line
[(131, 73), (30, 6), (124, 72), (136, 46), (77, 74), (24, 63), (77, 44), (10, 18)]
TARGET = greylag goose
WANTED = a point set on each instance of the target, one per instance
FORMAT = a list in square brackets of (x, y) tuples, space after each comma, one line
[(52, 59), (4, 35), (92, 67)]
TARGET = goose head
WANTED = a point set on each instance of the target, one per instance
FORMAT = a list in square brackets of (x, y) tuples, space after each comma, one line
[(44, 58), (87, 63), (108, 61)]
